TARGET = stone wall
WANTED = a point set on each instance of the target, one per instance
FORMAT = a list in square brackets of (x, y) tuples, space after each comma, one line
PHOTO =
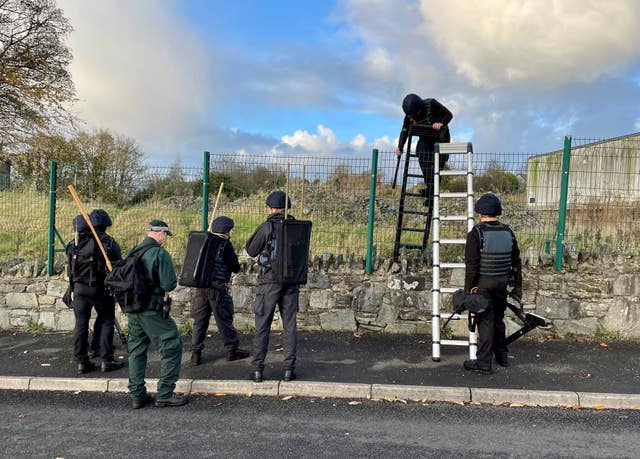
[(594, 296)]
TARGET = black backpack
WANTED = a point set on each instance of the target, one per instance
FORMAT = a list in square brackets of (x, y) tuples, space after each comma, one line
[(86, 263), (287, 251), (128, 281)]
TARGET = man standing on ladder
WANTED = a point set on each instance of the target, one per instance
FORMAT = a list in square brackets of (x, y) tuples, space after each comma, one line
[(428, 112)]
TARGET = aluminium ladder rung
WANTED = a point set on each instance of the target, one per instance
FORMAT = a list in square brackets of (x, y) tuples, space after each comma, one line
[(454, 342), (453, 241), (452, 265), (455, 148), (459, 194), (454, 172), (453, 218), (448, 289)]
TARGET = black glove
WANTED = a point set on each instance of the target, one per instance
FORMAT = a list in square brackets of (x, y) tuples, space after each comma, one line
[(516, 294)]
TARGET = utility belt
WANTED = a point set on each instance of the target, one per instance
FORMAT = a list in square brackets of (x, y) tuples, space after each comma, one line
[(160, 303)]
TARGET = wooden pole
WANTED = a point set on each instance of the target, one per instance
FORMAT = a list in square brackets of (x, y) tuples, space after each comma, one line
[(304, 170), (75, 197), (215, 206), (286, 193)]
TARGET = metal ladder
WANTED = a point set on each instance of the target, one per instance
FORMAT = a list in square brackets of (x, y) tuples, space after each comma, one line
[(438, 264), (408, 207)]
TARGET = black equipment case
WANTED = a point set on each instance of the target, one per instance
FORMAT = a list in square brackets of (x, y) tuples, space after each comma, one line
[(293, 239), (197, 268)]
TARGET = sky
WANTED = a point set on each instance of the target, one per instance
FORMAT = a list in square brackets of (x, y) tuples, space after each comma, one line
[(326, 78)]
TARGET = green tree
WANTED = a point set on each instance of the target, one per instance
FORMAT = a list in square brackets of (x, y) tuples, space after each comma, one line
[(496, 179), (35, 82), (108, 166)]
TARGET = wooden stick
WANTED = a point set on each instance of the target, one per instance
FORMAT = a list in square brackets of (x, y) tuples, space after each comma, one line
[(215, 206), (286, 192), (75, 197), (304, 169)]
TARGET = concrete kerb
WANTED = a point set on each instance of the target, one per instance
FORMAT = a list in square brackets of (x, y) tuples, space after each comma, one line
[(337, 390), (525, 397), (420, 393), (596, 400)]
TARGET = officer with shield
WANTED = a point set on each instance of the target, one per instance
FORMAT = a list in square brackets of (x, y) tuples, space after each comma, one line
[(271, 291)]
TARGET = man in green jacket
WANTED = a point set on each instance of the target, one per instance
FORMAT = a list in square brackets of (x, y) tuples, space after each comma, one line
[(154, 325)]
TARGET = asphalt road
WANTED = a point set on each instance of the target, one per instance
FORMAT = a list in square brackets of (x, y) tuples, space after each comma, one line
[(77, 425)]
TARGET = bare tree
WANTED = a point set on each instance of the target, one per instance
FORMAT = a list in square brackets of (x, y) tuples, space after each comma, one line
[(35, 82)]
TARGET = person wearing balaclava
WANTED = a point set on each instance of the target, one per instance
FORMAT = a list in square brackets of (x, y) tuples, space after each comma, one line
[(492, 259), (429, 112)]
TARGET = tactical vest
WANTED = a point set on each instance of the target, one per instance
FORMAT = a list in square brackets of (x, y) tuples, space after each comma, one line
[(496, 244), (221, 272)]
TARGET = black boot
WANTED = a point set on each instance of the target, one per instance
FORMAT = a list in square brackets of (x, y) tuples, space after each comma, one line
[(110, 365), (472, 365), (85, 367), (256, 376), (289, 375), (238, 354), (196, 358)]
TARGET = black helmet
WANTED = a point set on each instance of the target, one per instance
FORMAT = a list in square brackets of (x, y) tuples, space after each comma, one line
[(488, 204), (79, 224), (412, 104), (222, 225), (276, 200), (100, 218)]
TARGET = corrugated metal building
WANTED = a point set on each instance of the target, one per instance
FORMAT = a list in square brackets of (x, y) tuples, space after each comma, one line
[(600, 172)]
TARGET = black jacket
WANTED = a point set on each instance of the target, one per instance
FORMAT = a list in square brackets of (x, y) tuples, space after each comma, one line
[(258, 241), (434, 112)]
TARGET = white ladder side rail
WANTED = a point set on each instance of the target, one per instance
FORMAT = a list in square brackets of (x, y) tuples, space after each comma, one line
[(437, 289)]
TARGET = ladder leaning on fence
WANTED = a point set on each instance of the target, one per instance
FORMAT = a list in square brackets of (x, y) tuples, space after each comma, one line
[(410, 210), (438, 290)]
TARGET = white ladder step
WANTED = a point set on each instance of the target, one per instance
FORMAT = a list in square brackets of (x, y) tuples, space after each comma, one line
[(455, 172), (455, 148), (454, 342), (452, 241), (452, 265), (460, 194), (449, 289), (453, 218)]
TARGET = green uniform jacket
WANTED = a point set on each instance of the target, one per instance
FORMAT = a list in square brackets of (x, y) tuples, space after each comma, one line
[(158, 267)]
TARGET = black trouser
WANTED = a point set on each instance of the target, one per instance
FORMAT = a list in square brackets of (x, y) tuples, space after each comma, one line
[(84, 298), (425, 151), (491, 328), (267, 297), (218, 302)]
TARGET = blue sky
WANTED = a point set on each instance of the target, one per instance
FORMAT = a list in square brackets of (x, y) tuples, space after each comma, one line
[(326, 78)]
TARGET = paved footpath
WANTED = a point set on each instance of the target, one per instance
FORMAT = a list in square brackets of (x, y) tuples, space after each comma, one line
[(373, 365)]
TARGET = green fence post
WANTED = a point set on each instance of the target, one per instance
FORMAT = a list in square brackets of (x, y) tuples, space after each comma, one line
[(564, 192), (372, 208), (205, 191), (52, 217)]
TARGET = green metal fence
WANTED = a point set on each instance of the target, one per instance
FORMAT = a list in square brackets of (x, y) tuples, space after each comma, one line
[(601, 211)]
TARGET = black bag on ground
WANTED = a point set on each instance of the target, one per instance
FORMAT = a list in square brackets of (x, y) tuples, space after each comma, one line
[(199, 259), (128, 281), (290, 251)]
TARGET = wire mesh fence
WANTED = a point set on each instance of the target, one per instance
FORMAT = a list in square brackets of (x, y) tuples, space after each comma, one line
[(602, 204)]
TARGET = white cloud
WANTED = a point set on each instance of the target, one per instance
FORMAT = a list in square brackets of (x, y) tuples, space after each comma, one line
[(137, 68), (542, 43)]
